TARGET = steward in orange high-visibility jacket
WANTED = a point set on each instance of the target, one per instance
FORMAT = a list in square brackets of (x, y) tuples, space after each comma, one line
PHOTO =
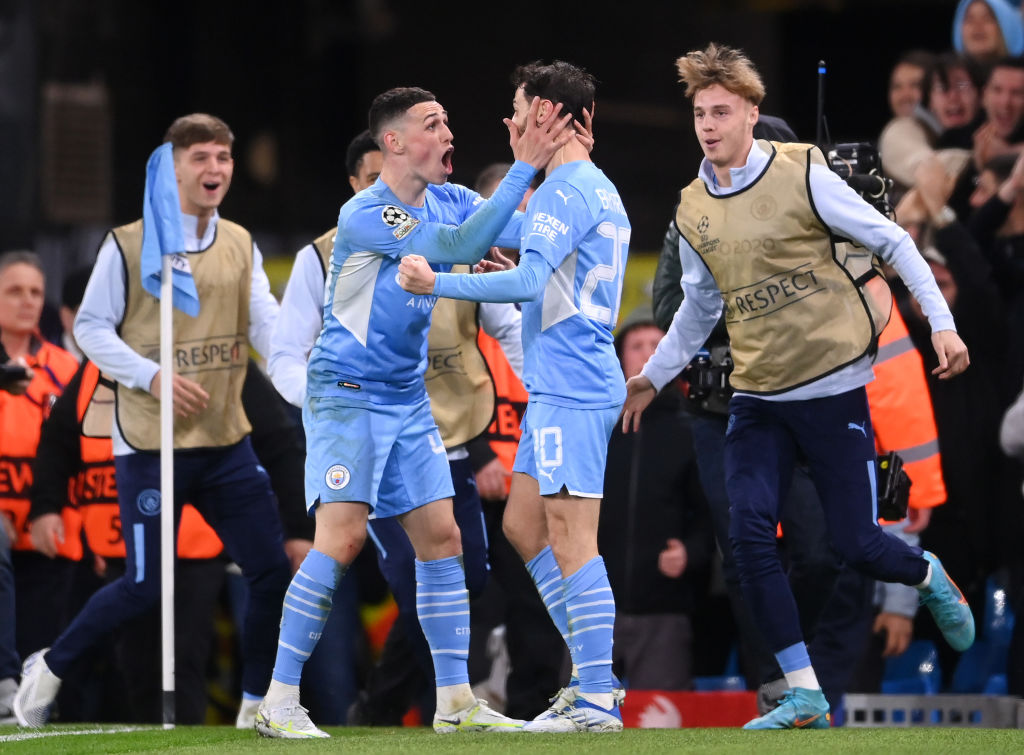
[(21, 418), (509, 405), (902, 416)]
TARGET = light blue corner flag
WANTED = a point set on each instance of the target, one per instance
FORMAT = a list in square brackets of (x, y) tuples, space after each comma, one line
[(162, 232)]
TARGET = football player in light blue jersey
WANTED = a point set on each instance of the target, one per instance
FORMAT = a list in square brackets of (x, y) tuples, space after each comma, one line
[(573, 254), (367, 417)]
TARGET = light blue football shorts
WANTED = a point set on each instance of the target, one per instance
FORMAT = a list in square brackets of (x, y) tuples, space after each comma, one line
[(387, 455), (563, 447)]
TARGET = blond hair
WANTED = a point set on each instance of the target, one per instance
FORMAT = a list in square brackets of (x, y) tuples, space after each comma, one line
[(718, 64)]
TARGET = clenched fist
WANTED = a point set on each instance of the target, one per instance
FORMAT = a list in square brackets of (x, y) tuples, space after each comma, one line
[(415, 275)]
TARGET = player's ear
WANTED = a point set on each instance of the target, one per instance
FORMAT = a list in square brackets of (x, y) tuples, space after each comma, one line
[(544, 111), (393, 142)]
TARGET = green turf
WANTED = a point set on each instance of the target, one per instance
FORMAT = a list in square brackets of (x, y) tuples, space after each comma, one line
[(361, 741)]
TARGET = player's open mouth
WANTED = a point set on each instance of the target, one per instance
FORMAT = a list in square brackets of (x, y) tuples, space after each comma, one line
[(211, 185), (446, 160)]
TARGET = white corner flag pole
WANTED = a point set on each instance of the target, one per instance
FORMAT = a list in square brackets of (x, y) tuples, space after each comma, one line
[(167, 551)]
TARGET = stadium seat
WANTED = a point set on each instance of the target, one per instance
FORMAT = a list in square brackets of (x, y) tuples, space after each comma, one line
[(720, 683), (730, 680), (915, 672), (982, 668)]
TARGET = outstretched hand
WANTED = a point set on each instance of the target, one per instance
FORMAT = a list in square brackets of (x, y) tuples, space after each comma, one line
[(539, 142), (415, 275), (640, 392), (952, 354), (495, 262)]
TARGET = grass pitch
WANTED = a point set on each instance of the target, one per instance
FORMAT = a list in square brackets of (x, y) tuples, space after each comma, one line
[(221, 740)]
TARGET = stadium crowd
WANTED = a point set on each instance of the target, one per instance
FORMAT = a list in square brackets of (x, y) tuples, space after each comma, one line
[(75, 428)]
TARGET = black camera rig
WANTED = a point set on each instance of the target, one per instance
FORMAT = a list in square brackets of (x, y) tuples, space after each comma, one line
[(858, 164), (707, 378)]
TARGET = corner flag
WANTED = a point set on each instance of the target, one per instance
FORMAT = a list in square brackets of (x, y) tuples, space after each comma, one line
[(162, 233)]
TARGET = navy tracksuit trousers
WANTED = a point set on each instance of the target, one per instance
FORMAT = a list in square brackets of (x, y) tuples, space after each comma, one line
[(834, 434)]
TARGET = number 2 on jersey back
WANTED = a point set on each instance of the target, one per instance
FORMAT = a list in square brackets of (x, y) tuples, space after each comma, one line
[(606, 313)]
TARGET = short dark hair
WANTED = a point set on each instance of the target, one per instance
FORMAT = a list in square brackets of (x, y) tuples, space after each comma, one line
[(198, 128), (1007, 62), (559, 82), (920, 58), (489, 178), (942, 66), (357, 148), (392, 104)]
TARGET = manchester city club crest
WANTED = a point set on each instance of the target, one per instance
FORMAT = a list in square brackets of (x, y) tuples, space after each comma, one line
[(764, 207), (337, 477), (393, 216), (148, 502)]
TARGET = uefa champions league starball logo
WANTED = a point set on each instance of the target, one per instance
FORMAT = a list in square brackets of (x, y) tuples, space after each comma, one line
[(393, 216)]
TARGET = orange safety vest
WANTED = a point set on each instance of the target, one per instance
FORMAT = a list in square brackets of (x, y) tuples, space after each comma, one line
[(509, 406), (902, 416), (21, 418), (94, 490)]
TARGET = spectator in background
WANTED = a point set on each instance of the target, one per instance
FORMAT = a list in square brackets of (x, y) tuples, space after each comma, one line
[(997, 225), (215, 466), (655, 530), (944, 122), (1003, 102), (986, 30), (906, 82), (1002, 132), (42, 582), (71, 293)]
